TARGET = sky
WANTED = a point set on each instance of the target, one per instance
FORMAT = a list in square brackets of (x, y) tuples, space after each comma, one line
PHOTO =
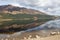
[(51, 7)]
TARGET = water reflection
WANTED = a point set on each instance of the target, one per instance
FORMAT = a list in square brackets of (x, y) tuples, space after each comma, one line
[(42, 30)]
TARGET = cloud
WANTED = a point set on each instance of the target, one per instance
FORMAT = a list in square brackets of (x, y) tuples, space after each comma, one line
[(50, 6)]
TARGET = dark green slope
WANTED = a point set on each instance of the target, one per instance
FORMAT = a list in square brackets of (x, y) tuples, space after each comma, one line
[(18, 22)]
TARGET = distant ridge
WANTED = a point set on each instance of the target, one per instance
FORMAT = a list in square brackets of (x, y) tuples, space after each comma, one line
[(18, 10)]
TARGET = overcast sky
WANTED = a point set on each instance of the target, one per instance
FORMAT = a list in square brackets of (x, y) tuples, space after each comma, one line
[(50, 6)]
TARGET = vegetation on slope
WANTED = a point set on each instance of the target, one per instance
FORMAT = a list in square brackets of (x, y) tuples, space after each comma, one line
[(10, 22)]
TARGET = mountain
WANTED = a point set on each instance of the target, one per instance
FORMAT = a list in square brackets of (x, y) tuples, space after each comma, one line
[(18, 10), (22, 19)]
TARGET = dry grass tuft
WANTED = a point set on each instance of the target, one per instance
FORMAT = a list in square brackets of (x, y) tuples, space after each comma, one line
[(55, 37)]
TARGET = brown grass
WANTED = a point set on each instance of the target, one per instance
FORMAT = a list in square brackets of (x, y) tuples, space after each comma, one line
[(56, 37)]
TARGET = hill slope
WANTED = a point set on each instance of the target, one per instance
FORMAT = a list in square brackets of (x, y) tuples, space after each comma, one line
[(22, 19), (17, 10)]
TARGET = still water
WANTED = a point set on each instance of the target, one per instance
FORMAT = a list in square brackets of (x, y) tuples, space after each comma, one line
[(46, 28)]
